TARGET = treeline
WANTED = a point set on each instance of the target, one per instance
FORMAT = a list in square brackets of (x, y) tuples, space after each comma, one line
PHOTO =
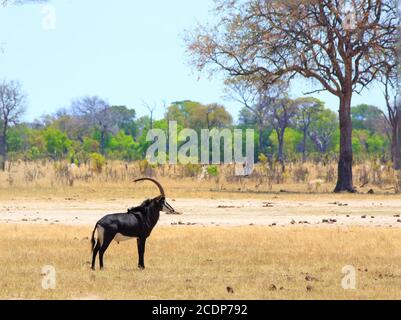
[(300, 129)]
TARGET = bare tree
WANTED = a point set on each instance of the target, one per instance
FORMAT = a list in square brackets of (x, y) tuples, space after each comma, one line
[(341, 45), (392, 92), (307, 108), (12, 106), (252, 93), (96, 113), (393, 103), (151, 109), (92, 108), (280, 114)]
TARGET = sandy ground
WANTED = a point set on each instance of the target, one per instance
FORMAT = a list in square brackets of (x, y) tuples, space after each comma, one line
[(379, 213)]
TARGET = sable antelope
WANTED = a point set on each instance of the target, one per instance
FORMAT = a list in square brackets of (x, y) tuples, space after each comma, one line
[(137, 223)]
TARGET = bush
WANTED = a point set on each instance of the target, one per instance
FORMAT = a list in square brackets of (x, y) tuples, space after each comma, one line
[(212, 171), (301, 174), (292, 140), (57, 143), (90, 145), (146, 168), (263, 159), (97, 162), (192, 170), (122, 146), (33, 153)]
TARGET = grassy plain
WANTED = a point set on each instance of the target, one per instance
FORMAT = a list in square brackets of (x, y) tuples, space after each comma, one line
[(247, 241), (202, 262)]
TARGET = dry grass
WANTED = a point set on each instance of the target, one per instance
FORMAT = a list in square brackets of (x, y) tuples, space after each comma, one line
[(200, 263), (49, 180)]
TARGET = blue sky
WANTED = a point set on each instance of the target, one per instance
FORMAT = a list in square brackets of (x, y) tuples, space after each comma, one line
[(126, 51)]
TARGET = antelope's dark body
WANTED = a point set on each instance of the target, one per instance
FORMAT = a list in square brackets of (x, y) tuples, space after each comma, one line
[(137, 223)]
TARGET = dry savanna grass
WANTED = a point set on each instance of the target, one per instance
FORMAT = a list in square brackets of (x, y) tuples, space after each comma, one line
[(202, 262), (54, 179)]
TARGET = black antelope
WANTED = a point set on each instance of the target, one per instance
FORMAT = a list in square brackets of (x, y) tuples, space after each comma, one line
[(137, 223)]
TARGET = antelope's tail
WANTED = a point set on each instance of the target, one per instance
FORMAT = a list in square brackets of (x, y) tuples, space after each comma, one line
[(93, 241)]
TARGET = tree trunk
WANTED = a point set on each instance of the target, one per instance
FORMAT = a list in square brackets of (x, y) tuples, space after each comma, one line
[(260, 138), (3, 152), (304, 146), (151, 120), (396, 141), (345, 182), (280, 135), (102, 141)]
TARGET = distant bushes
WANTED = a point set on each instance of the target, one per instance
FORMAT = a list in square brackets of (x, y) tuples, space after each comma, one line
[(213, 171), (97, 162), (307, 177)]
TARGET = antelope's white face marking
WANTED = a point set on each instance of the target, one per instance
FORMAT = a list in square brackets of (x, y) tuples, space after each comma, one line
[(120, 238), (167, 208), (100, 235)]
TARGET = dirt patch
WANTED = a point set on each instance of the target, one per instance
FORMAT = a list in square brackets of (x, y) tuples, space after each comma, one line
[(382, 213)]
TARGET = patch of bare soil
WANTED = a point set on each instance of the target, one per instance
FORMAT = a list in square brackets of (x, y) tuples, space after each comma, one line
[(207, 212)]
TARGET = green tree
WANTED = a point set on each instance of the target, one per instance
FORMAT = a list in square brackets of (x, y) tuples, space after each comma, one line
[(356, 147), (18, 139), (367, 117), (143, 126), (363, 137), (196, 116), (217, 116), (57, 143), (124, 119), (323, 129), (308, 109), (91, 145), (376, 144), (37, 143), (281, 113), (292, 142), (122, 146), (247, 118), (96, 113)]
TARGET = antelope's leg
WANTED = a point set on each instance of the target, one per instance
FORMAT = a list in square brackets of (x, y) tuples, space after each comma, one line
[(108, 238), (141, 252)]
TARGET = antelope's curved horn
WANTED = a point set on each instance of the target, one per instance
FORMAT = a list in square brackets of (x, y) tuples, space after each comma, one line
[(155, 182)]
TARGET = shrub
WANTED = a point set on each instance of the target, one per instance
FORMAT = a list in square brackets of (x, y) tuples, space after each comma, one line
[(192, 170), (90, 145), (33, 153), (263, 159), (146, 168), (213, 171), (301, 173), (97, 162)]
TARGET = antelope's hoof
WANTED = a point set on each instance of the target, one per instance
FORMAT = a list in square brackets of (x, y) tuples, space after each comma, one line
[(141, 267)]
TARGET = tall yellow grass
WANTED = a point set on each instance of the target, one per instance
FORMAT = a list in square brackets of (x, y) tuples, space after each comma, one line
[(200, 263), (186, 180)]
